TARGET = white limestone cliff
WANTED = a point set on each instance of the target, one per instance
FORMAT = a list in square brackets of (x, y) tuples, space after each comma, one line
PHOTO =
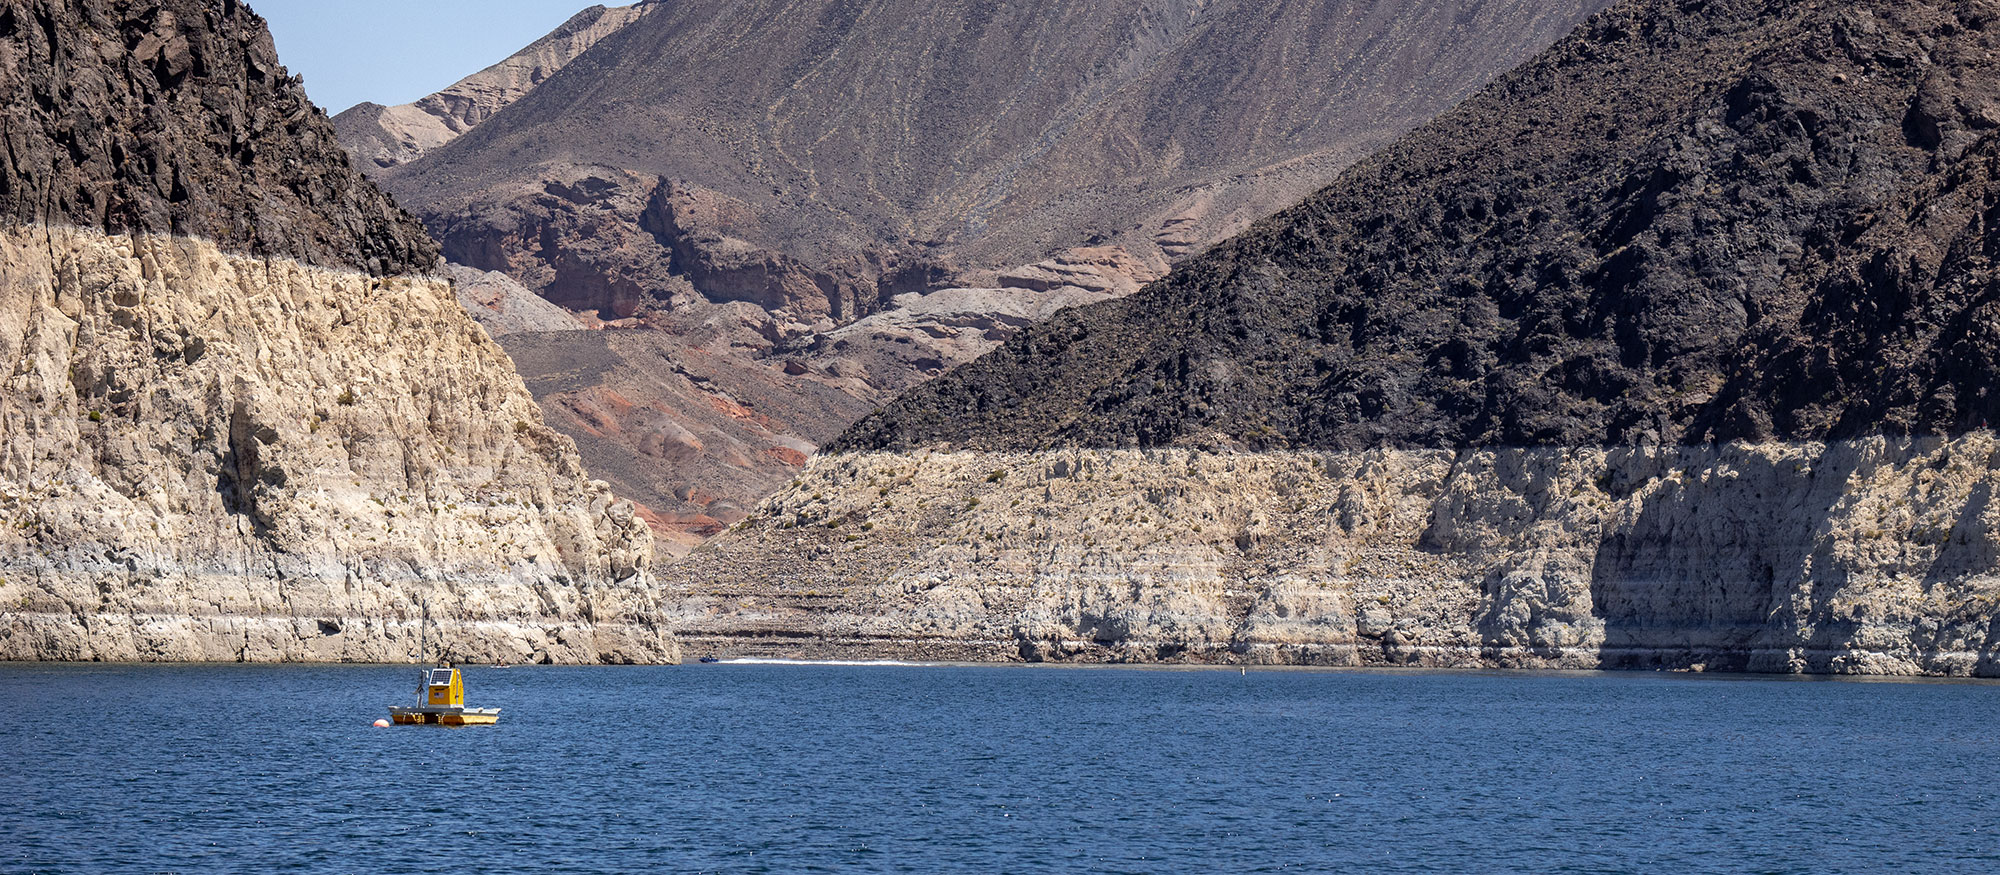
[(210, 456), (1875, 556)]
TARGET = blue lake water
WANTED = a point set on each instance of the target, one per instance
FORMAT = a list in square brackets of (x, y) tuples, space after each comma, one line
[(789, 768)]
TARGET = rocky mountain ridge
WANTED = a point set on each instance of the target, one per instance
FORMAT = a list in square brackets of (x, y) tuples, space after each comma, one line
[(881, 146), (384, 136), (178, 118), (1743, 221)]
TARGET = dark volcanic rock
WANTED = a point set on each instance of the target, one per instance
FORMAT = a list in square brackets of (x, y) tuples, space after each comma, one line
[(1687, 222), (605, 262), (183, 122)]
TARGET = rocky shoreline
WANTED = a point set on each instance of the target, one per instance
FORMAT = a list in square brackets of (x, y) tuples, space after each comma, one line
[(1872, 556)]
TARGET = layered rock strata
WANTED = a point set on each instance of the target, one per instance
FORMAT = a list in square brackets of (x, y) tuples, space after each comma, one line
[(241, 418), (1872, 556)]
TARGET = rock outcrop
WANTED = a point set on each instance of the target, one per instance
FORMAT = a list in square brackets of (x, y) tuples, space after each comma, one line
[(503, 306), (1673, 348), (384, 136), (240, 417), (623, 245), (176, 118)]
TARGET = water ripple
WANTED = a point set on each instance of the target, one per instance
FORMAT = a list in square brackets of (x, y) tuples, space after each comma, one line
[(817, 768)]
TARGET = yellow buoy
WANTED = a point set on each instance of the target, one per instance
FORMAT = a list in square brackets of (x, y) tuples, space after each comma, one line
[(441, 702)]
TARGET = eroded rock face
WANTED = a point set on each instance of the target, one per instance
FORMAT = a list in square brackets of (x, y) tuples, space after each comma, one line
[(384, 136), (1592, 371), (623, 245), (699, 412), (689, 407), (1872, 556), (216, 457), (240, 419)]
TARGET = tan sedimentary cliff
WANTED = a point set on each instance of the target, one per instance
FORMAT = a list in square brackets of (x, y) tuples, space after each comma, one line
[(1871, 556), (385, 136), (209, 456)]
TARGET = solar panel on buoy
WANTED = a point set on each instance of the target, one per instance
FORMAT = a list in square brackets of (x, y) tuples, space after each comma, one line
[(441, 702)]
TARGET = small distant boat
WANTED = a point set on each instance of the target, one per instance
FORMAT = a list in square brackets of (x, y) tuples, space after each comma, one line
[(441, 702), (710, 659)]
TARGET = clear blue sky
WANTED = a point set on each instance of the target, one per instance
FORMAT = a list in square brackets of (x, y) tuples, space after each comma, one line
[(395, 51)]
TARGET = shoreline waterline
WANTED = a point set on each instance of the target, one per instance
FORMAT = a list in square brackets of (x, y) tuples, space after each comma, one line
[(1136, 667)]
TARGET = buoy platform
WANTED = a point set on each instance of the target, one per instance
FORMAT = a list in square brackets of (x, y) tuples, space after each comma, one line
[(441, 702)]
